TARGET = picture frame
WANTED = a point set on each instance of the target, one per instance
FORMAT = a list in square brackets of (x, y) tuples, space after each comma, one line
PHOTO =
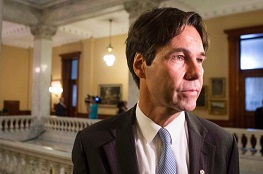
[(110, 94), (218, 87), (217, 107), (201, 102)]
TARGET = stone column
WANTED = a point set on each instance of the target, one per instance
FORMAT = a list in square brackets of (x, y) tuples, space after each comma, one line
[(41, 75), (1, 21), (135, 8)]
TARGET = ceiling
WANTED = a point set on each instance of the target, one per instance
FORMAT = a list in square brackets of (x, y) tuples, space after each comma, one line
[(98, 26)]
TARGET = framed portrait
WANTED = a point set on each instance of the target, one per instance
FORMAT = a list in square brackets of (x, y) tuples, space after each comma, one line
[(218, 87), (217, 107), (201, 102), (110, 94)]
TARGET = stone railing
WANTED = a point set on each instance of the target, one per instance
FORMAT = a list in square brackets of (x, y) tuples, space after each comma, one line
[(250, 145), (24, 158), (250, 141), (30, 157), (17, 127), (67, 124)]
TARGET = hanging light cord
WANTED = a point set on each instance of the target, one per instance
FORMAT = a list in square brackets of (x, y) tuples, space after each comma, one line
[(110, 47)]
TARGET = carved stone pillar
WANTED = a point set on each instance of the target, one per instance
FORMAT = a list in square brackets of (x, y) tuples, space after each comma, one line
[(135, 8), (41, 76)]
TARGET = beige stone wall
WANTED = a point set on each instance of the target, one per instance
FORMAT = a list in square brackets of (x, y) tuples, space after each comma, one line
[(216, 64), (15, 76)]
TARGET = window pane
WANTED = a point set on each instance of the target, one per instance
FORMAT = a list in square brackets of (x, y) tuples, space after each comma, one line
[(251, 53), (74, 70), (253, 93), (74, 96)]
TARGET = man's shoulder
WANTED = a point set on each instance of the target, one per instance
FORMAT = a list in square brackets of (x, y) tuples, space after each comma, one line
[(210, 127), (113, 122)]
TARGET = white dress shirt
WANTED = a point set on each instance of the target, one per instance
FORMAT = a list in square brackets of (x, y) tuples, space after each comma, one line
[(149, 145)]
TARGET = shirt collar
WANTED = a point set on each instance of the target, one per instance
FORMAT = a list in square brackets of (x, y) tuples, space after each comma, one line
[(152, 128)]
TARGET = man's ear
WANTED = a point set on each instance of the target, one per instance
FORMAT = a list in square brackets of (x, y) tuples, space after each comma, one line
[(139, 65)]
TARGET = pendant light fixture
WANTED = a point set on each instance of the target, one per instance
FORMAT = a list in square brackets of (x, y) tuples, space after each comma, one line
[(109, 58)]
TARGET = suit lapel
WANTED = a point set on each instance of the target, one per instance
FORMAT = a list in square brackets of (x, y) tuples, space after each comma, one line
[(121, 152), (201, 153)]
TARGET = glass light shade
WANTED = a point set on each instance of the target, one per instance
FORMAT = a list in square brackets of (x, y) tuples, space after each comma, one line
[(56, 90), (56, 87), (109, 59)]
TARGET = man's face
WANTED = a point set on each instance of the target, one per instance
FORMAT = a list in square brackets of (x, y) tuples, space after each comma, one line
[(175, 77)]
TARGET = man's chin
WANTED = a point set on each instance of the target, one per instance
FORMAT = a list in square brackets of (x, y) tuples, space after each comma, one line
[(189, 107)]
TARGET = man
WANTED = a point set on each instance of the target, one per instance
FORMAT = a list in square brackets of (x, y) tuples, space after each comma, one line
[(259, 117), (165, 50), (60, 108), (93, 109)]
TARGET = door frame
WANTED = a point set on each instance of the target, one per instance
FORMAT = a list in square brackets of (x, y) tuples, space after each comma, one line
[(236, 82)]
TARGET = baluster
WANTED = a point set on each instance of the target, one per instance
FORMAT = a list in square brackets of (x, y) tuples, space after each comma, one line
[(44, 167), (72, 126), (14, 122), (18, 125), (68, 126), (68, 169), (48, 124), (53, 124), (61, 169), (20, 164), (63, 125), (257, 146), (12, 164), (1, 160), (51, 168), (35, 165), (6, 125), (239, 142), (11, 126), (76, 126), (27, 168), (244, 144), (6, 161), (26, 124), (56, 168)]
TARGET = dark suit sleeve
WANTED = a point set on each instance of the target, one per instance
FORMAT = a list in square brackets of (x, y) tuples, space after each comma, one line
[(78, 157), (233, 166)]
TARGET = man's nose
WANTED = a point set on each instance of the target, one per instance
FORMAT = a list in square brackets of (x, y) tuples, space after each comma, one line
[(194, 71)]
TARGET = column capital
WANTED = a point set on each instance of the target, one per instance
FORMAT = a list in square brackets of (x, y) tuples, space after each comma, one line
[(43, 31), (136, 7)]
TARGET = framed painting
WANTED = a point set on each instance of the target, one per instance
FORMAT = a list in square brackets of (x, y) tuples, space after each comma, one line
[(218, 87), (217, 107), (201, 102), (110, 94)]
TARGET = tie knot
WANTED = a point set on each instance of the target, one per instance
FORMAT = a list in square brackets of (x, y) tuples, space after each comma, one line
[(165, 135)]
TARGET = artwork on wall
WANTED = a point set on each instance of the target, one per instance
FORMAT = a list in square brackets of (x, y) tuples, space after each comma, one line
[(217, 107), (201, 102), (110, 94), (218, 87)]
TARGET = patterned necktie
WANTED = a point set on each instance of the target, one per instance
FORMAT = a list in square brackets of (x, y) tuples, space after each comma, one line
[(167, 163)]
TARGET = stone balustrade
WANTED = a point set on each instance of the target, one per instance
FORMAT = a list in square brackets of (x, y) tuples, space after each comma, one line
[(67, 124), (15, 123), (30, 157), (250, 141), (24, 158)]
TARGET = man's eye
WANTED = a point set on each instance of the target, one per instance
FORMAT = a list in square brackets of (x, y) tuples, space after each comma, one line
[(200, 60), (178, 57)]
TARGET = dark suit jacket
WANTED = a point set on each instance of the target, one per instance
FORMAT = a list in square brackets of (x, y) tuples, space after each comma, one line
[(60, 110), (259, 118), (109, 147)]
